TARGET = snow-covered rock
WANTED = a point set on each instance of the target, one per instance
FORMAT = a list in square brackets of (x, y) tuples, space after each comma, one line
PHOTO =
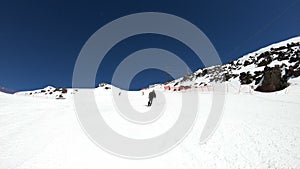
[(49, 92), (250, 68)]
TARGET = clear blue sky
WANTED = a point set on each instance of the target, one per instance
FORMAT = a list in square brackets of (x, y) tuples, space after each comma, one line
[(40, 40)]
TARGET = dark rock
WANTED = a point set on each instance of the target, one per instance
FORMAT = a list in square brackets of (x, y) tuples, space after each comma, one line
[(292, 72), (204, 72), (198, 75), (265, 62), (246, 78), (257, 73), (238, 63), (272, 80), (288, 72), (297, 54), (296, 65), (293, 44), (282, 56), (296, 73), (264, 55), (231, 62), (257, 80), (228, 76), (280, 48), (62, 90), (246, 63), (294, 59), (283, 65), (60, 97)]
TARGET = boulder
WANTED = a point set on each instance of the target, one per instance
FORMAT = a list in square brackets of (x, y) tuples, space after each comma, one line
[(272, 80), (265, 61), (246, 63), (246, 78)]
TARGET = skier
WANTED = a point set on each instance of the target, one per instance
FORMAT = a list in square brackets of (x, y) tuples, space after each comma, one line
[(152, 95)]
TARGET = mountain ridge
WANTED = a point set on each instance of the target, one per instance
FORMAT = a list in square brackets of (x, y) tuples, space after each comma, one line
[(249, 69), (5, 90)]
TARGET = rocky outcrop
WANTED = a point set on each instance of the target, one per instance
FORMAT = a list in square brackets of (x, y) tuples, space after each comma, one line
[(62, 90), (257, 69), (272, 80)]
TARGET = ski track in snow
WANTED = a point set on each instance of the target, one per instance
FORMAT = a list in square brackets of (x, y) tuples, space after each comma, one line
[(256, 131)]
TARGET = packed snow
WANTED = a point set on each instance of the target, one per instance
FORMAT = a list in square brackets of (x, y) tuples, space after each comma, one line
[(40, 128), (257, 130)]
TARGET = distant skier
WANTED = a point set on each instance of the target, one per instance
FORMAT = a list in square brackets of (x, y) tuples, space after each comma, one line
[(152, 95)]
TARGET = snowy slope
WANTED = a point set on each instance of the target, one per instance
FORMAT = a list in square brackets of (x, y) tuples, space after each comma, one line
[(260, 130), (257, 130), (285, 54)]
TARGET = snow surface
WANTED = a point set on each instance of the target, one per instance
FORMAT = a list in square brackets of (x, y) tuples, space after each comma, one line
[(257, 130)]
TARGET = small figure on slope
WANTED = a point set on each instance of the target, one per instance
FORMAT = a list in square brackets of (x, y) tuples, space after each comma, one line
[(152, 95)]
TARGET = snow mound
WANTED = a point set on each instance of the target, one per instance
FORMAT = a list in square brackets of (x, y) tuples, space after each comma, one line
[(49, 92)]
